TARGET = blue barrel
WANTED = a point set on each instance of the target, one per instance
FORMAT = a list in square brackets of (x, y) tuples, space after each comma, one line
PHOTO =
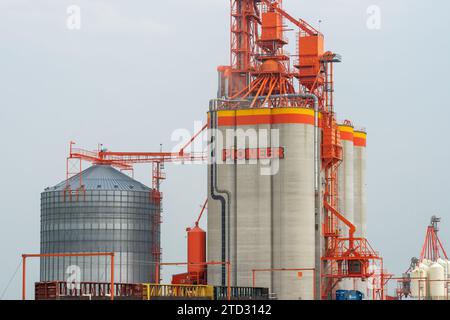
[(341, 294), (354, 295)]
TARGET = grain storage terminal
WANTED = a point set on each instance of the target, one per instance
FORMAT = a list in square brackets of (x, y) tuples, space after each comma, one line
[(286, 197)]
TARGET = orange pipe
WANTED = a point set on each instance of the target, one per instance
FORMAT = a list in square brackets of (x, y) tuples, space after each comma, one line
[(201, 212), (181, 152), (264, 83), (273, 83)]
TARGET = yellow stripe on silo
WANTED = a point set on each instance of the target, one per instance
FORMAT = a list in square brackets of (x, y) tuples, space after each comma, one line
[(266, 116), (360, 139), (346, 132)]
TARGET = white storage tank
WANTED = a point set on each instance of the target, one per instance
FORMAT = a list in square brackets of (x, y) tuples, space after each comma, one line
[(427, 262), (419, 282), (436, 277), (448, 270), (446, 265), (425, 267)]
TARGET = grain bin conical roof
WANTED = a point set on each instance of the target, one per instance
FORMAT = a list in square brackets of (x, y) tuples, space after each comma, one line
[(101, 177)]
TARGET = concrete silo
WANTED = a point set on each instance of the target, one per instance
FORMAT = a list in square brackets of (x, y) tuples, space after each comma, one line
[(262, 198), (360, 186), (110, 213), (360, 194)]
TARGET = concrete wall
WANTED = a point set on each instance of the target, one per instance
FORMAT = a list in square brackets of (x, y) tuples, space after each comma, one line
[(293, 213), (271, 222), (360, 190)]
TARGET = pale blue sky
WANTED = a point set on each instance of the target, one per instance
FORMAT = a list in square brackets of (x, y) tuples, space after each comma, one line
[(138, 70)]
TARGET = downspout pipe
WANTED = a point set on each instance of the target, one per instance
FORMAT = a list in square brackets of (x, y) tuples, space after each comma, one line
[(220, 195)]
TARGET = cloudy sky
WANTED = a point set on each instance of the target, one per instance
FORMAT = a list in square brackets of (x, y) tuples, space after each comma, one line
[(138, 70)]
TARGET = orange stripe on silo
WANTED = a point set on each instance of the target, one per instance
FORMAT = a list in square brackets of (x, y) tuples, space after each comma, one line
[(266, 119), (348, 136), (250, 120), (346, 132), (266, 116), (360, 139), (226, 121), (292, 118), (358, 142)]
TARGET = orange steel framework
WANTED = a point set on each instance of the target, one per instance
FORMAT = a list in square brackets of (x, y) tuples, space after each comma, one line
[(432, 248), (87, 254), (244, 21), (260, 76)]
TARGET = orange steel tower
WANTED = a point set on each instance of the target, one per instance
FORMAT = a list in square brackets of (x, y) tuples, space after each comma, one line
[(432, 247), (261, 75), (244, 21)]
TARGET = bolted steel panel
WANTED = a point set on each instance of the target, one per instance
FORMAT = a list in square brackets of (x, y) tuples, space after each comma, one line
[(113, 213)]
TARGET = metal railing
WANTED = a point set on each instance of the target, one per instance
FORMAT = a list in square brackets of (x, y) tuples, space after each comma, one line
[(158, 291), (56, 290), (241, 293)]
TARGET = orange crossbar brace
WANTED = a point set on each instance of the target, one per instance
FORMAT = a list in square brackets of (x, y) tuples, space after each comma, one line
[(342, 218), (46, 255), (181, 152)]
